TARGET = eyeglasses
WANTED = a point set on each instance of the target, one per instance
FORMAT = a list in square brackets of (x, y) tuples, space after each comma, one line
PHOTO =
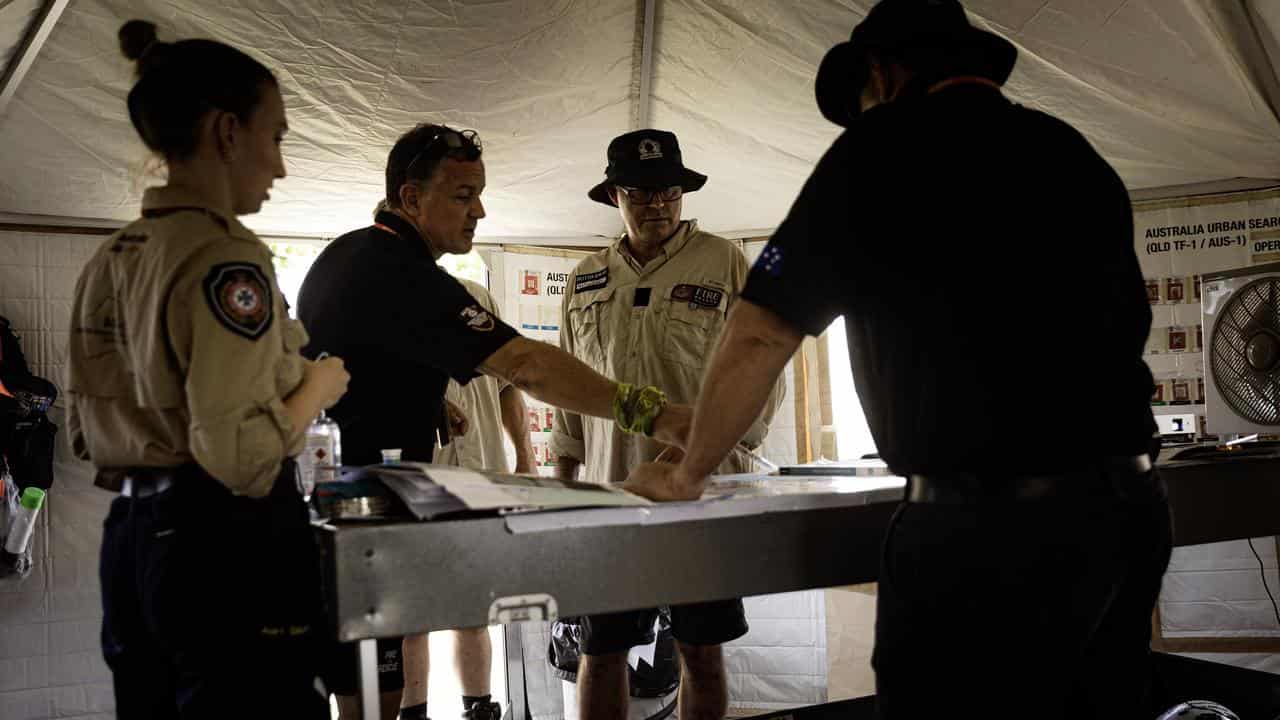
[(461, 145), (645, 196)]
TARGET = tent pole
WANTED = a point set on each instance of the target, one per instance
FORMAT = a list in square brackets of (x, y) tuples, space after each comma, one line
[(30, 47), (644, 93)]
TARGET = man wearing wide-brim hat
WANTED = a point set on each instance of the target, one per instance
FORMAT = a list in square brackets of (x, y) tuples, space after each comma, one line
[(1017, 580), (649, 309)]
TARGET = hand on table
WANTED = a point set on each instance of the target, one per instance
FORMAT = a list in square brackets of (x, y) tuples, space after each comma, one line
[(662, 482)]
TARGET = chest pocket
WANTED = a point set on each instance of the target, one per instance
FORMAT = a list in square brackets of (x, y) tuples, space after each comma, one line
[(691, 327), (588, 319)]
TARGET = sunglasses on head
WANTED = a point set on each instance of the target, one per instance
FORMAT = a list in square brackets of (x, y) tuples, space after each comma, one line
[(646, 196), (457, 144)]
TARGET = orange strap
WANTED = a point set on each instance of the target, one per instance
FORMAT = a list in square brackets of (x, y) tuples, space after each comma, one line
[(964, 80), (384, 228)]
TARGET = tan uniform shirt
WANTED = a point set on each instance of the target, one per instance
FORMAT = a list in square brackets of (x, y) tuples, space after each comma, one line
[(651, 325), (482, 447), (182, 350)]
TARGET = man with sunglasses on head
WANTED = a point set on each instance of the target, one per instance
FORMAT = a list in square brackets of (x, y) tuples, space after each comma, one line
[(648, 310), (377, 298)]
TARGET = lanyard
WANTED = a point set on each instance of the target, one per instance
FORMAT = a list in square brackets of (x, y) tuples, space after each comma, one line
[(963, 80)]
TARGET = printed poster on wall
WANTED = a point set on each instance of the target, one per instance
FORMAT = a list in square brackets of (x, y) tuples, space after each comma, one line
[(1177, 243), (535, 287)]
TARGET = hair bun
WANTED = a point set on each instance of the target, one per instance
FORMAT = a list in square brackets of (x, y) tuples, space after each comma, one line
[(136, 37)]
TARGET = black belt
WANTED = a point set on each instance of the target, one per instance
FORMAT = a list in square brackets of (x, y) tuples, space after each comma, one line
[(1117, 477), (145, 482)]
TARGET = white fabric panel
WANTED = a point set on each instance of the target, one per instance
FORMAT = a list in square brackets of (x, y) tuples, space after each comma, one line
[(542, 687), (1152, 83), (545, 82), (1216, 590), (15, 19), (782, 661), (734, 80), (50, 662), (1171, 91)]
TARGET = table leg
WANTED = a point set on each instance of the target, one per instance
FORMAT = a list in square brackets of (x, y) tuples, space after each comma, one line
[(369, 699), (516, 708)]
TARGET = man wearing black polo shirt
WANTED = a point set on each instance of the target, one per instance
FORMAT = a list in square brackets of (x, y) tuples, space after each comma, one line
[(959, 235), (376, 298)]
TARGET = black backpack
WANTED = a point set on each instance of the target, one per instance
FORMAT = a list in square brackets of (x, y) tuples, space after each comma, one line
[(26, 434)]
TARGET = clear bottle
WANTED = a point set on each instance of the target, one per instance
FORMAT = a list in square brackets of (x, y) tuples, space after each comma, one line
[(321, 461), (21, 527)]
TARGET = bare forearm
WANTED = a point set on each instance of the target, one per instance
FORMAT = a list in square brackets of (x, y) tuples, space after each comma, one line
[(515, 418), (303, 406), (752, 353), (553, 376)]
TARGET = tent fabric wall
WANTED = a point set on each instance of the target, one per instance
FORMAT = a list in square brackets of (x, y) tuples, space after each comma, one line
[(1171, 91), (15, 18), (50, 661)]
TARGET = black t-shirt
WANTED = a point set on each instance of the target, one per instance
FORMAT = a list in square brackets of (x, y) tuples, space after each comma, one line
[(376, 298), (982, 256)]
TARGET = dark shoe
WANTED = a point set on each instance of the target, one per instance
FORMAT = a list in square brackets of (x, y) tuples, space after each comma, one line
[(483, 711)]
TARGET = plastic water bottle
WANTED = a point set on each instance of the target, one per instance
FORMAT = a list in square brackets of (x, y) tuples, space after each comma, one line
[(21, 528), (321, 461)]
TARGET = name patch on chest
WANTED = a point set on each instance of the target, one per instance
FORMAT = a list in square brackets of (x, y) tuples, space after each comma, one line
[(697, 295), (591, 281)]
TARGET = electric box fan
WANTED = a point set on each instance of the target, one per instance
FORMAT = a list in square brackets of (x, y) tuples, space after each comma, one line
[(1242, 350)]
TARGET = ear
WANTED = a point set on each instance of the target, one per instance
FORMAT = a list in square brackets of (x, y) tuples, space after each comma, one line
[(225, 127), (410, 196)]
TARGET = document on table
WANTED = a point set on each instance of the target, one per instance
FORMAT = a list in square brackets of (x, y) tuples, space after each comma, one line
[(498, 491)]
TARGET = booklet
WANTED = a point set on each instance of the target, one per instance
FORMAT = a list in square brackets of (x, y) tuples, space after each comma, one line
[(433, 490)]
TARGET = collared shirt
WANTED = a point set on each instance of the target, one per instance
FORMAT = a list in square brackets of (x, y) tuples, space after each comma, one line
[(482, 448), (181, 349), (377, 299), (653, 324), (982, 256)]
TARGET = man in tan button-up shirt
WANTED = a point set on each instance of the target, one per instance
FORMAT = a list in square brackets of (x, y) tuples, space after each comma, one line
[(649, 311)]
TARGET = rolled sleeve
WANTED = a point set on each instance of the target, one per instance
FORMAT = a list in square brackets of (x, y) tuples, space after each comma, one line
[(245, 450), (566, 436), (566, 427), (239, 432)]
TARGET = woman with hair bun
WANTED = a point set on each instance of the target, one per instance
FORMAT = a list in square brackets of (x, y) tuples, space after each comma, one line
[(190, 398)]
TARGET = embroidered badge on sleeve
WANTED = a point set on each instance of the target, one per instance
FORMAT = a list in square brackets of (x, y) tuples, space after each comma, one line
[(477, 318), (239, 295)]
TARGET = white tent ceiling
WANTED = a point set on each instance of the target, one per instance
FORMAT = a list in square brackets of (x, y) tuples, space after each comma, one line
[(1171, 91)]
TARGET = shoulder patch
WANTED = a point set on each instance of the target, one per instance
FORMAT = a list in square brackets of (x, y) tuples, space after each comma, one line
[(477, 318), (591, 281), (239, 295), (771, 260), (698, 295)]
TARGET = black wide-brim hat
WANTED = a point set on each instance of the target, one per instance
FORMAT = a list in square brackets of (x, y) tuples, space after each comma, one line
[(646, 159), (898, 24)]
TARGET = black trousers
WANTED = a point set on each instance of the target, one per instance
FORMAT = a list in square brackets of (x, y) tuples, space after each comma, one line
[(212, 603), (1034, 609)]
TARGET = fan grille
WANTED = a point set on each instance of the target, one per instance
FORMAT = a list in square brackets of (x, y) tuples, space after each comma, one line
[(1253, 394)]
